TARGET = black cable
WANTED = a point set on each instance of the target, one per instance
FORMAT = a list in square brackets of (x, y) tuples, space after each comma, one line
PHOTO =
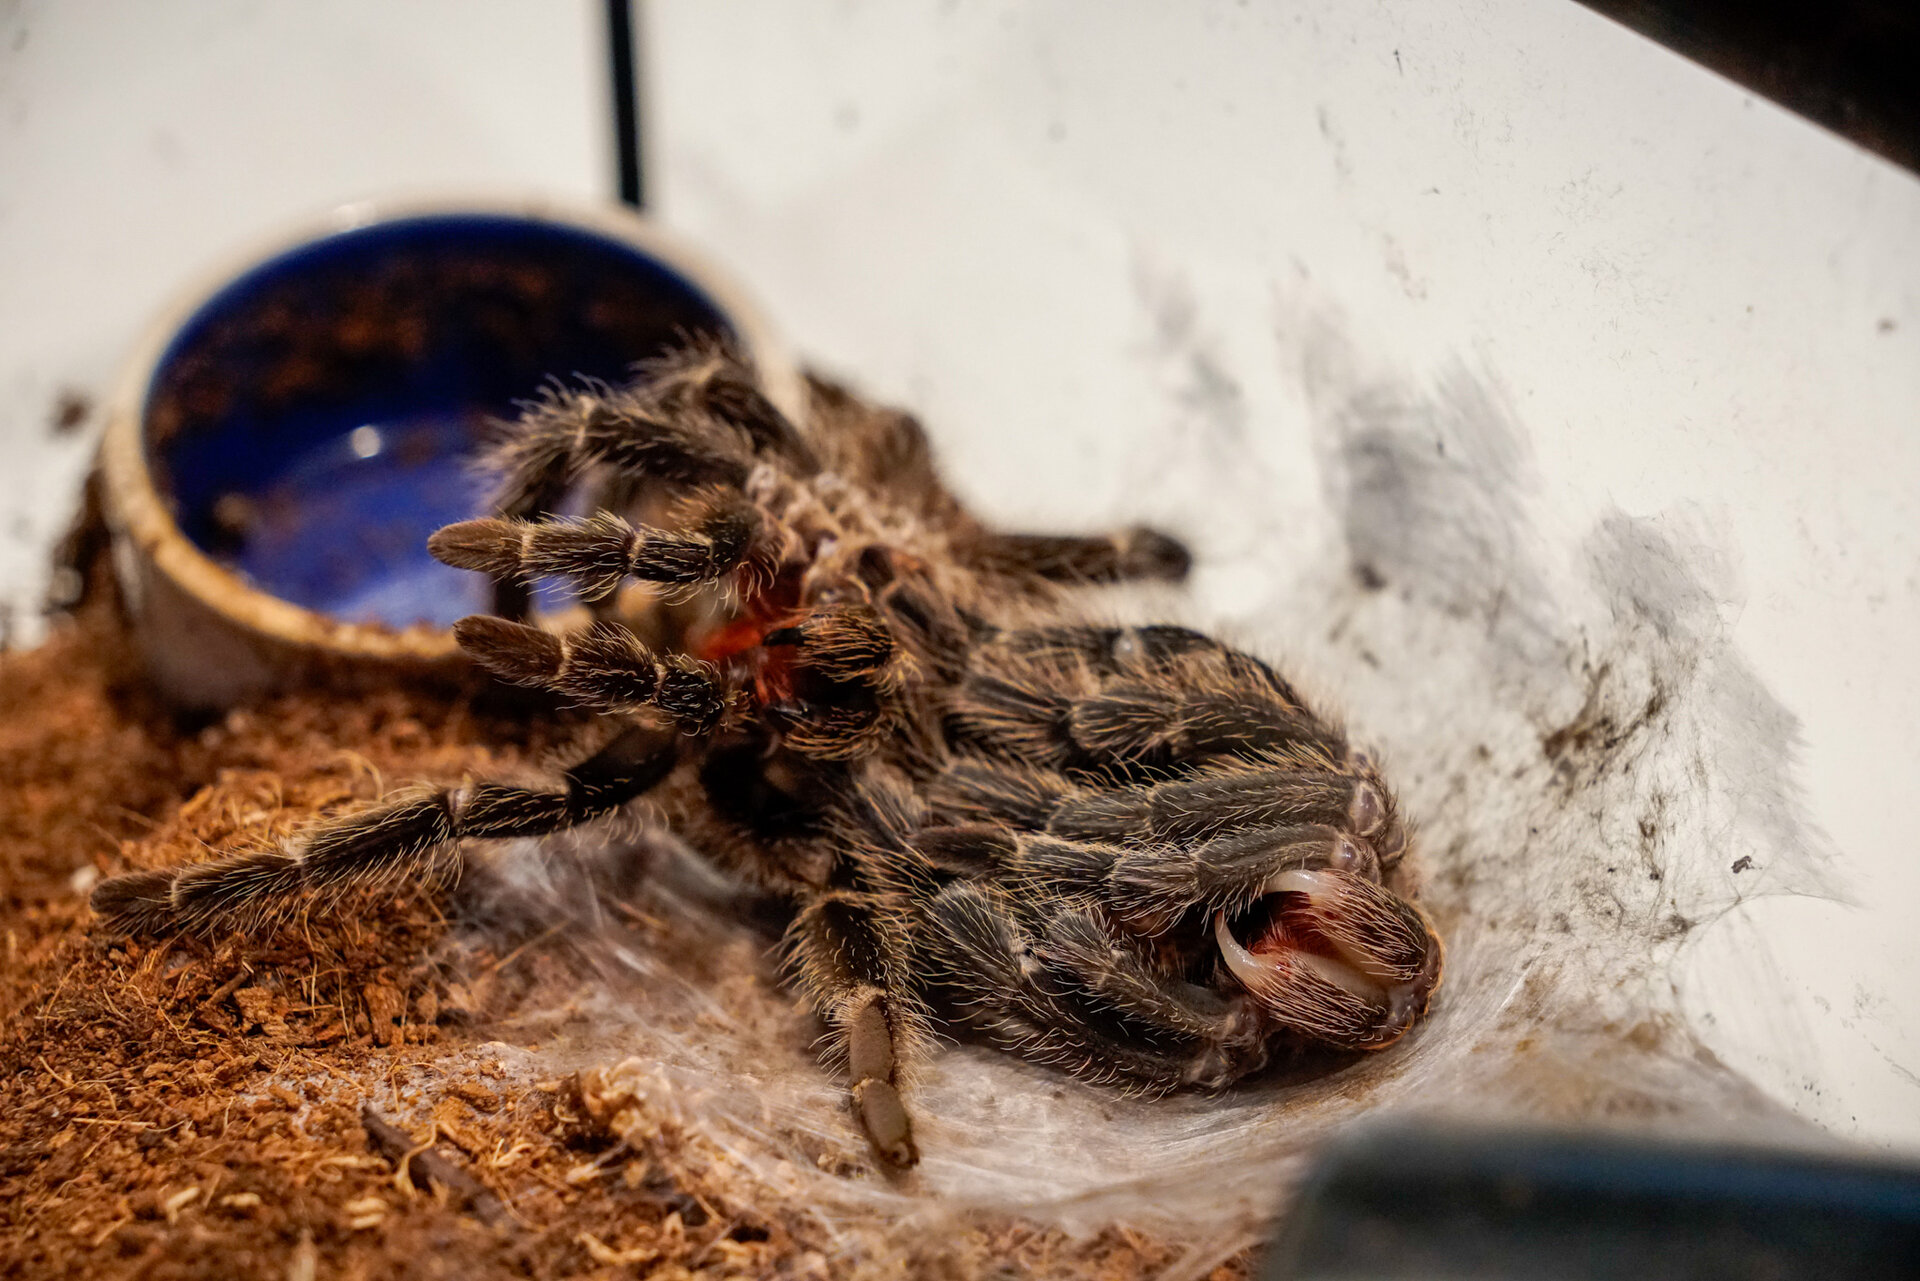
[(626, 102), (1846, 64)]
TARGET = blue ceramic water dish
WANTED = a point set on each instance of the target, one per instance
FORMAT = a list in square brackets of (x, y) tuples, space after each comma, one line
[(302, 427)]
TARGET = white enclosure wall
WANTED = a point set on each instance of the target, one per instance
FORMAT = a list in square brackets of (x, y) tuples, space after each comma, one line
[(1089, 241)]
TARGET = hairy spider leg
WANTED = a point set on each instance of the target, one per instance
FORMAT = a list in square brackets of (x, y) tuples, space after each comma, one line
[(1110, 651), (605, 668), (1154, 886), (890, 451), (1032, 710), (696, 419), (886, 451), (973, 789), (709, 378), (571, 430), (849, 966), (598, 553), (1005, 983), (1149, 887), (1124, 555), (401, 838), (825, 679), (1232, 794), (1224, 1037)]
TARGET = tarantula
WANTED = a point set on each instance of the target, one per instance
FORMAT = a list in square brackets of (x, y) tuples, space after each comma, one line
[(1131, 851)]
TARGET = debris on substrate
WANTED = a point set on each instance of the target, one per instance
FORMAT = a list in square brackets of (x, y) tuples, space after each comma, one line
[(361, 1094)]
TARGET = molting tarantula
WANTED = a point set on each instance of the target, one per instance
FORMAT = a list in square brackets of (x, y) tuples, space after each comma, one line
[(1131, 851)]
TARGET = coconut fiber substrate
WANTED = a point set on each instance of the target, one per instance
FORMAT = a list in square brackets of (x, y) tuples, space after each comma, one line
[(361, 1093)]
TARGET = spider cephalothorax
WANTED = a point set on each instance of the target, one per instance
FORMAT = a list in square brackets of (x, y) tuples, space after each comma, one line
[(1132, 851)]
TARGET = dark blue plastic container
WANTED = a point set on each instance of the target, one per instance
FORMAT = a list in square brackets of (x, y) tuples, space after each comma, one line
[(316, 419)]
